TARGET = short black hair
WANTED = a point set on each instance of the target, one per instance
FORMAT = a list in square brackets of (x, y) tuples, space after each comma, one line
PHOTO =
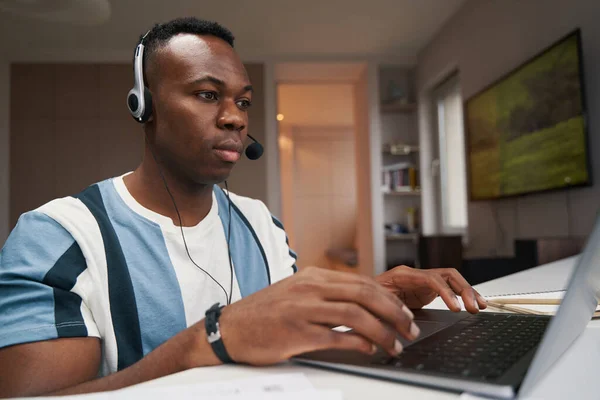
[(160, 34)]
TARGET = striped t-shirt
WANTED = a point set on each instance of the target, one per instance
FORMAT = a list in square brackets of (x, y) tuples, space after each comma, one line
[(100, 264)]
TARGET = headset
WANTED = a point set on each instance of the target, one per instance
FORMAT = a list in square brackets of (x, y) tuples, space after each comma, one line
[(139, 99), (139, 103)]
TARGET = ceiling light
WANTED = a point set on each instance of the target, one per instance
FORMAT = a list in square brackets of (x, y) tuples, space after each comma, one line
[(279, 117)]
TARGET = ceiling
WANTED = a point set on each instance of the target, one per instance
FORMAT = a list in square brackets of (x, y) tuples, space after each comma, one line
[(281, 29)]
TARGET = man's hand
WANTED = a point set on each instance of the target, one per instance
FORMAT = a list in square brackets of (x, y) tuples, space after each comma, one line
[(295, 316), (419, 287)]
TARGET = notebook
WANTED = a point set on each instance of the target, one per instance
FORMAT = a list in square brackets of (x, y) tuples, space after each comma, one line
[(539, 303)]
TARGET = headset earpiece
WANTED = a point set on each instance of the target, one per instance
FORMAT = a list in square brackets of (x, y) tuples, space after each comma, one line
[(139, 98)]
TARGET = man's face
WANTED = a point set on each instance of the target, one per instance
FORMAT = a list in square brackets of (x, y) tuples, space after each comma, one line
[(201, 94)]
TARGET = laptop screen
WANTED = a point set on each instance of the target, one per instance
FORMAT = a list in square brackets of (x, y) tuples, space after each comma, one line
[(573, 315)]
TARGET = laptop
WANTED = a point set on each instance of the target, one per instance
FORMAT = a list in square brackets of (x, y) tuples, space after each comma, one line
[(491, 354)]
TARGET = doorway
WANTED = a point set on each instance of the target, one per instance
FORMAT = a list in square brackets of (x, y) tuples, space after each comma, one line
[(317, 155)]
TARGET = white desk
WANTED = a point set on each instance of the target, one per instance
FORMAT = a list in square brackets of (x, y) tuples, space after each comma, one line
[(575, 376)]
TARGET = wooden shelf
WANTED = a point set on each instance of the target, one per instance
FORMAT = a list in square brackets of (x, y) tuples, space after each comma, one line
[(400, 149), (403, 193), (398, 108), (402, 236)]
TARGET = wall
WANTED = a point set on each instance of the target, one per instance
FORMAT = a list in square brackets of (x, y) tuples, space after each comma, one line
[(271, 144), (484, 40), (316, 104), (370, 237), (286, 169), (62, 139), (4, 150), (323, 191), (69, 129)]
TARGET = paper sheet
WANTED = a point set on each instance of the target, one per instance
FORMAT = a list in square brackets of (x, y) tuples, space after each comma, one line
[(269, 387), (280, 383)]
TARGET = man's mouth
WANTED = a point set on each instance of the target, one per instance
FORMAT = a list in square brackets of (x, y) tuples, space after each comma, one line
[(229, 151), (228, 155)]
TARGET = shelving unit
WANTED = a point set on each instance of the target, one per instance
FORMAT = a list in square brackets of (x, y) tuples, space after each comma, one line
[(400, 149), (402, 236), (398, 108), (402, 193)]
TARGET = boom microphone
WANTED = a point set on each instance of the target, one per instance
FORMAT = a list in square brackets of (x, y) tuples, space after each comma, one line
[(255, 150)]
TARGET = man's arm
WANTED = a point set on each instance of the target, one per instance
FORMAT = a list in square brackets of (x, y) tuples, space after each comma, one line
[(285, 319), (70, 365)]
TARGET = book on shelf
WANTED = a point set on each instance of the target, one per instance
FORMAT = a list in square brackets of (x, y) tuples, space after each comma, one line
[(401, 177)]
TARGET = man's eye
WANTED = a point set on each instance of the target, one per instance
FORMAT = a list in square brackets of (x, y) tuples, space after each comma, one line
[(208, 95), (244, 104)]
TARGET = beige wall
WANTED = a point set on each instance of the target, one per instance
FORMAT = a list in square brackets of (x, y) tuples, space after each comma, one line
[(316, 104), (485, 40), (69, 127), (319, 182)]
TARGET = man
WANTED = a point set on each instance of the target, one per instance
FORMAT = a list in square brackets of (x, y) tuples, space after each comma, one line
[(110, 287)]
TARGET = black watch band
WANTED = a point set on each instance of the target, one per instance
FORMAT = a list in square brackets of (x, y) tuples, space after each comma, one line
[(213, 333)]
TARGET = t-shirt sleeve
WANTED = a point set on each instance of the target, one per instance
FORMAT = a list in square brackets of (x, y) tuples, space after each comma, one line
[(286, 265), (41, 296)]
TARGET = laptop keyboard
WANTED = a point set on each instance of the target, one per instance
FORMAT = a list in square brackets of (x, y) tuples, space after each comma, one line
[(477, 347)]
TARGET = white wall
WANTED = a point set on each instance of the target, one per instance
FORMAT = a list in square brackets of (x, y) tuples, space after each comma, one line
[(4, 149), (486, 39)]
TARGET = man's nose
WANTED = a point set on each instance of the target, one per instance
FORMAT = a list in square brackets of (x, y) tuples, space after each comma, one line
[(231, 118)]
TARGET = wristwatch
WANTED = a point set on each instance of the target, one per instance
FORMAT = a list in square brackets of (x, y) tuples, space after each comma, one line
[(213, 333)]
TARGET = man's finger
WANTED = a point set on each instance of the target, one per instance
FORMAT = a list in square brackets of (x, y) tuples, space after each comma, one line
[(377, 302), (439, 284), (368, 285), (480, 300), (469, 295), (360, 320)]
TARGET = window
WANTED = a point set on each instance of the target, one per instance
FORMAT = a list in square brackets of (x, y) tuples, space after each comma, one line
[(453, 185)]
